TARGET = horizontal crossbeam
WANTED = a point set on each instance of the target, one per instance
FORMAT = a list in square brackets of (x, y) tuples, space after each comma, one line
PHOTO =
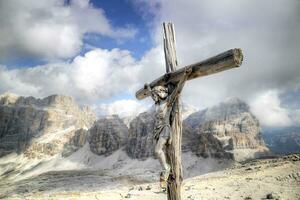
[(224, 61)]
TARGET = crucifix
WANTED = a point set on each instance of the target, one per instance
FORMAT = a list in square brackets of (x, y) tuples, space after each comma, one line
[(165, 91)]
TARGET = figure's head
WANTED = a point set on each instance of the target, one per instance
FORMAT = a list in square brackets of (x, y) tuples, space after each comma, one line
[(159, 93)]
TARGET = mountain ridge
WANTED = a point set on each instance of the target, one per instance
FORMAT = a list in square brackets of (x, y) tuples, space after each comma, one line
[(59, 130)]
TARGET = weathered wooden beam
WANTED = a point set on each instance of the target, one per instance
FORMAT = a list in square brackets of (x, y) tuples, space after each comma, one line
[(174, 155), (173, 150), (169, 47), (224, 61)]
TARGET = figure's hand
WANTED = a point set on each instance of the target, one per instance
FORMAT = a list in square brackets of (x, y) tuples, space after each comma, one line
[(147, 87)]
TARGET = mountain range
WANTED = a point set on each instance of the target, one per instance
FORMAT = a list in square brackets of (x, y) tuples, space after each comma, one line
[(55, 133)]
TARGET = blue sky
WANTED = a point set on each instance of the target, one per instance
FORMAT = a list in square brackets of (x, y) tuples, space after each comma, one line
[(119, 13), (101, 52), (123, 13)]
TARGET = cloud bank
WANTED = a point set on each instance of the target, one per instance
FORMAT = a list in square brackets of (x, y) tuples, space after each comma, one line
[(267, 31), (267, 108), (51, 29), (97, 75)]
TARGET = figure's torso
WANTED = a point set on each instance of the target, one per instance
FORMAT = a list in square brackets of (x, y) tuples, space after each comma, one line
[(161, 119), (161, 111)]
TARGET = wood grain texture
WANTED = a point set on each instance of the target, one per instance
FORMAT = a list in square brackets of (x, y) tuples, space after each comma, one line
[(224, 61), (174, 148), (169, 47)]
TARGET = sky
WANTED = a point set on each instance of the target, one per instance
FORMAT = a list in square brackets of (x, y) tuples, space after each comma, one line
[(100, 52)]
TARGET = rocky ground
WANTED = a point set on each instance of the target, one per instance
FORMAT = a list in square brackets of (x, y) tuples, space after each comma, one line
[(277, 178)]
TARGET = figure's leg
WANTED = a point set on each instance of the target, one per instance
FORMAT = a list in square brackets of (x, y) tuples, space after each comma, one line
[(159, 151), (161, 155)]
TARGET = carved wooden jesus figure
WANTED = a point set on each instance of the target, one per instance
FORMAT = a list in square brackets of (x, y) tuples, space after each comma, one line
[(164, 98), (165, 92)]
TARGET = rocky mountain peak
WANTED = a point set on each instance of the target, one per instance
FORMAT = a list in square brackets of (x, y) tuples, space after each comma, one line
[(140, 141), (233, 101), (230, 108), (107, 135), (28, 124), (57, 122), (229, 122), (59, 101), (8, 98), (187, 110)]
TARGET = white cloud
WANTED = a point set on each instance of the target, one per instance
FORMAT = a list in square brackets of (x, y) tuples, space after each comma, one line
[(268, 37), (148, 9), (123, 108), (96, 75), (51, 29), (268, 110), (267, 31)]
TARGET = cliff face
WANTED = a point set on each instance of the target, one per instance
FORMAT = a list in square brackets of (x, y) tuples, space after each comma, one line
[(231, 124), (39, 127), (107, 135), (140, 141), (18, 126), (76, 142), (203, 145), (56, 124), (224, 131)]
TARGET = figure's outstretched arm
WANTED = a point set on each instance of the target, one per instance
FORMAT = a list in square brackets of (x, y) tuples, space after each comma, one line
[(175, 93)]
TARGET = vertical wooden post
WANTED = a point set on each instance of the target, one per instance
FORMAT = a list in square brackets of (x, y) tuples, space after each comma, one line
[(227, 60), (174, 149)]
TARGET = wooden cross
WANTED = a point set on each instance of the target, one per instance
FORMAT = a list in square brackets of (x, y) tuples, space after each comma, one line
[(227, 60)]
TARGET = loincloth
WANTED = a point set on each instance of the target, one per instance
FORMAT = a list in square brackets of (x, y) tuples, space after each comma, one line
[(163, 131)]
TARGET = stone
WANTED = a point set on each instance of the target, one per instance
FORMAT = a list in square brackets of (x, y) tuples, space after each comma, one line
[(272, 196), (107, 135), (226, 128), (76, 142), (140, 142), (214, 132), (39, 127)]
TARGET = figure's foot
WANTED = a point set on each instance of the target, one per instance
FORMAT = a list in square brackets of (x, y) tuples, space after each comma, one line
[(163, 184), (164, 176)]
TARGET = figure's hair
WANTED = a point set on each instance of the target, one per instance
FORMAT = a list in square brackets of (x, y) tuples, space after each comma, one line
[(161, 91)]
